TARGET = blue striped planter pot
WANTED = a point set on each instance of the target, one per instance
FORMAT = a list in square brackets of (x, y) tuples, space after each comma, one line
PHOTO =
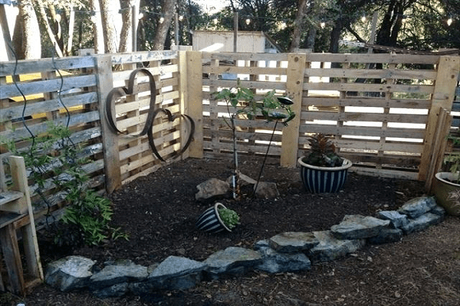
[(210, 221), (323, 179)]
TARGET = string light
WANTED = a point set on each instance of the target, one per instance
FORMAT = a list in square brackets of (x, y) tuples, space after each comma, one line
[(215, 20), (162, 19), (322, 25), (181, 18), (363, 19), (248, 21), (449, 21)]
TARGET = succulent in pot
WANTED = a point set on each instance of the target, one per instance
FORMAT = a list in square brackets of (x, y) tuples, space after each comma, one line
[(217, 219), (322, 169)]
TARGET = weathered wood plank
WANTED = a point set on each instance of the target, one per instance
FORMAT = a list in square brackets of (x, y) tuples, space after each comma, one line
[(363, 131), (145, 56), (225, 56), (373, 58), (16, 110), (373, 117), (249, 84), (48, 64), (372, 73), (244, 70), (67, 83), (424, 89), (367, 102)]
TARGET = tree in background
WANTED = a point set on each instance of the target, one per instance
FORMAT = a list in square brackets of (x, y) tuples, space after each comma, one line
[(26, 38)]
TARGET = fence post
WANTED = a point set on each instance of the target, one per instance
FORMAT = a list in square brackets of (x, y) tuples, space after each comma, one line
[(294, 89), (195, 101), (109, 139), (442, 97)]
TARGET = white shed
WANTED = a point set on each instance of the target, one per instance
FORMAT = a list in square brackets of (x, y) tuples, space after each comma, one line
[(248, 41)]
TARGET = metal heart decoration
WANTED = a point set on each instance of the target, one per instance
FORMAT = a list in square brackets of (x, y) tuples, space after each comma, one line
[(152, 113)]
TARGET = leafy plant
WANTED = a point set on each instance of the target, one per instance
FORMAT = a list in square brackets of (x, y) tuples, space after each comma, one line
[(452, 161), (245, 105), (322, 152), (229, 217), (55, 158)]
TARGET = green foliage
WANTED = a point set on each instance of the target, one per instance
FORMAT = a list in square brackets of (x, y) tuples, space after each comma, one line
[(322, 152), (229, 217), (452, 161), (55, 157), (244, 102)]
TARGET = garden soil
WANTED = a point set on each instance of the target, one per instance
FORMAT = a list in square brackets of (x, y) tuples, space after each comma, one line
[(159, 211)]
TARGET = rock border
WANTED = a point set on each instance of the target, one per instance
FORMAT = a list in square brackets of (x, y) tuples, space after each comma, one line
[(285, 252)]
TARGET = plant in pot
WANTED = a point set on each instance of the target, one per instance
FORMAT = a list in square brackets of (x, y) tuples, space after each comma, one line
[(322, 169), (446, 186), (217, 219)]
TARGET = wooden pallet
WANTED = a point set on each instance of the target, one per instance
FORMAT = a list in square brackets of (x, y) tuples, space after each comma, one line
[(16, 214)]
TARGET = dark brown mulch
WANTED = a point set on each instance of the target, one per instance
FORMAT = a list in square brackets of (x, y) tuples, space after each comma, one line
[(159, 211)]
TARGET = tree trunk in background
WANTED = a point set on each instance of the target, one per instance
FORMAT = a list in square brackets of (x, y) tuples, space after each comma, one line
[(46, 25), (26, 38), (162, 30), (108, 10), (298, 25), (97, 27), (126, 34)]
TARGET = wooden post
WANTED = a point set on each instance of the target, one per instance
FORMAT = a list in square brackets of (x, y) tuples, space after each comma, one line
[(443, 96), (439, 146), (294, 89), (195, 100), (183, 95), (109, 139)]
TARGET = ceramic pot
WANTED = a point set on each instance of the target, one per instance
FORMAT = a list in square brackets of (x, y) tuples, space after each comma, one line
[(210, 221), (447, 193), (317, 179)]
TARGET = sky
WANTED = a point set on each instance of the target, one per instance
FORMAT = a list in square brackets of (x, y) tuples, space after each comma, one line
[(212, 6)]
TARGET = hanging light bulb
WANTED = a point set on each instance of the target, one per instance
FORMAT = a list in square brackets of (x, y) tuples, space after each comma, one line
[(363, 19), (162, 19), (248, 21), (283, 25), (322, 25), (449, 21), (181, 18), (215, 20)]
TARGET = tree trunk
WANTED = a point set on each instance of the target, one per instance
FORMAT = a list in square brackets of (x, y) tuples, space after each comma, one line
[(298, 26), (162, 29), (26, 37), (127, 27), (46, 25), (108, 25), (97, 27)]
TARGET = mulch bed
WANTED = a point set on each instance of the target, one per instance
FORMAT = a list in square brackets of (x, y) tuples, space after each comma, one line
[(159, 211)]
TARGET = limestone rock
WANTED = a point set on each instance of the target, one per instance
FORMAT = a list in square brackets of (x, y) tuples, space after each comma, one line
[(422, 223), (387, 235), (274, 262), (232, 260), (330, 248), (177, 273), (118, 272), (416, 207), (68, 273), (211, 189), (397, 219), (293, 242), (358, 227)]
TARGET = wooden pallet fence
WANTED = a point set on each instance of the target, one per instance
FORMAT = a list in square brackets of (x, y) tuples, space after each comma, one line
[(261, 73), (377, 107)]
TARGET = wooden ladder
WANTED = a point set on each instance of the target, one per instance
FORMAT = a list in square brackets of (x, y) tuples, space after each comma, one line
[(16, 214)]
